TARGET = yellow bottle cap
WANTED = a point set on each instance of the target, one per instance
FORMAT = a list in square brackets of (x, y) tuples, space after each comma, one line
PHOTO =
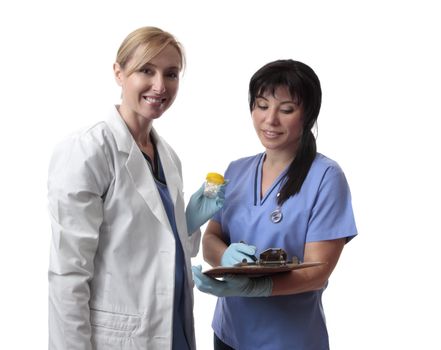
[(215, 178)]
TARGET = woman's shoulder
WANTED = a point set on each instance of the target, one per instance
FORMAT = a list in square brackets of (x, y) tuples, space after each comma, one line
[(105, 132), (81, 157), (323, 163), (88, 149), (110, 129), (244, 163), (325, 169), (88, 139)]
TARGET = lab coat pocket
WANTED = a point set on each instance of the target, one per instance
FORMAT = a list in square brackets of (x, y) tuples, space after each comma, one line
[(111, 327)]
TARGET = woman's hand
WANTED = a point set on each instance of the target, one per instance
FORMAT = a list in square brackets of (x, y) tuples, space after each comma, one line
[(200, 208), (232, 286), (237, 253)]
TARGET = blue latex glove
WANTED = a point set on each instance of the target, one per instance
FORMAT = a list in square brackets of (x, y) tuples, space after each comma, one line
[(236, 253), (200, 209), (232, 286)]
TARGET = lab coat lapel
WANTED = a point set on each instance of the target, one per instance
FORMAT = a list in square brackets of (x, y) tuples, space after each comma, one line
[(145, 184), (137, 168)]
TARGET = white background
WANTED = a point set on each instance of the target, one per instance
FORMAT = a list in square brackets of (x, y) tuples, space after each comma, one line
[(379, 64)]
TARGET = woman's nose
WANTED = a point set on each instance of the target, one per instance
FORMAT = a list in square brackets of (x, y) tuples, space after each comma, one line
[(159, 84), (271, 116)]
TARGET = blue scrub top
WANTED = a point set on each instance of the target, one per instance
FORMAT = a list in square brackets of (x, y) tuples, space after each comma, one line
[(179, 339), (322, 210)]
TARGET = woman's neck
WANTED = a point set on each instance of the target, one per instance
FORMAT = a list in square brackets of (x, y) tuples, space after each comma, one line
[(278, 160), (139, 127), (273, 165)]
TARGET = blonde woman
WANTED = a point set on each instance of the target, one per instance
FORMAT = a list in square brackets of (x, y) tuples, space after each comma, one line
[(120, 275)]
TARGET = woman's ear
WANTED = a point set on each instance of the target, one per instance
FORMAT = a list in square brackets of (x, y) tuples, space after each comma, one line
[(117, 71)]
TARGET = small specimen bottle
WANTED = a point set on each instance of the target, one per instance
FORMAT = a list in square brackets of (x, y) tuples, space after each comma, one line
[(213, 182)]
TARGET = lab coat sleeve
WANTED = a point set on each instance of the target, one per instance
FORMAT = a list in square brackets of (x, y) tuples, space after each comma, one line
[(195, 241), (78, 178)]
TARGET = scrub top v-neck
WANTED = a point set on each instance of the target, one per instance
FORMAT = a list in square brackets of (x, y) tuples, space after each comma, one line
[(179, 339), (321, 211), (259, 200)]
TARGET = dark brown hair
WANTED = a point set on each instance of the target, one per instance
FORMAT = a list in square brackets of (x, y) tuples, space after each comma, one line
[(304, 86)]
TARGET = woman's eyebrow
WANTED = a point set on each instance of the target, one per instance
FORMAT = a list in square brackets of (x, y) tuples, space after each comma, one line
[(149, 64), (289, 102), (282, 102)]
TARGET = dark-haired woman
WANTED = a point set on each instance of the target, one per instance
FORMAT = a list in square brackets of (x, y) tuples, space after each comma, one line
[(290, 197)]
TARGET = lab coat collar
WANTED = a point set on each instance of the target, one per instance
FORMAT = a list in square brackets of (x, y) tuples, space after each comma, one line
[(140, 172), (123, 137)]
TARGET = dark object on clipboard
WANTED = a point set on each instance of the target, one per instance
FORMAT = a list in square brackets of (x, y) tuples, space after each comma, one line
[(271, 261)]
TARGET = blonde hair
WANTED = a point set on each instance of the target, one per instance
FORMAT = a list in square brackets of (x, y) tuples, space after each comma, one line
[(152, 41)]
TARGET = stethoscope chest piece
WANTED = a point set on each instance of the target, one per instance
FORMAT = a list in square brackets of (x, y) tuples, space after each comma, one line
[(276, 216)]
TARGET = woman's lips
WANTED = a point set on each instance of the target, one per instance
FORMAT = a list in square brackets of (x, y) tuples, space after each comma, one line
[(271, 134), (154, 100)]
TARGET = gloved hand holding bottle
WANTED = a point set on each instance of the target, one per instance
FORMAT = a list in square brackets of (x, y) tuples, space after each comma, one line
[(237, 286), (201, 208)]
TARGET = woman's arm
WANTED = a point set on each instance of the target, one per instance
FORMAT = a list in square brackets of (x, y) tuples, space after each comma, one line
[(78, 177), (213, 247), (311, 278), (294, 282)]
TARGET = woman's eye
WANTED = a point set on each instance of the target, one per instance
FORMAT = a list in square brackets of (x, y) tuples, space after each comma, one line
[(146, 71), (173, 75), (287, 111), (262, 107)]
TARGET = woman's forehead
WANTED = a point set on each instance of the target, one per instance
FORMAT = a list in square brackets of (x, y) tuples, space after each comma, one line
[(168, 56)]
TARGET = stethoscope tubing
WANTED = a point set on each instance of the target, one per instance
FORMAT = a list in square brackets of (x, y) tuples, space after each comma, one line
[(276, 215)]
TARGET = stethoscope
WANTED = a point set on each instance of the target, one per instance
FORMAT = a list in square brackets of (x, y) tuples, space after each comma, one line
[(276, 215)]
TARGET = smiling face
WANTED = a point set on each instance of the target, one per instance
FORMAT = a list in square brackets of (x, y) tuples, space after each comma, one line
[(150, 90), (278, 120)]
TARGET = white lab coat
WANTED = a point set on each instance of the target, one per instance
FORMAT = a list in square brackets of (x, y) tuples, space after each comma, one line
[(112, 264)]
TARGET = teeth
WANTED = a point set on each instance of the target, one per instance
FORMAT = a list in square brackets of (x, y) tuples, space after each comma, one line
[(153, 99)]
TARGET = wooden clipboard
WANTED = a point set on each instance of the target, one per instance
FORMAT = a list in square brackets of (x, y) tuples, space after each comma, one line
[(257, 270)]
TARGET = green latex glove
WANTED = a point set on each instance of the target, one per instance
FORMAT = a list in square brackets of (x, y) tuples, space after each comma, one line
[(200, 208), (236, 253), (232, 286)]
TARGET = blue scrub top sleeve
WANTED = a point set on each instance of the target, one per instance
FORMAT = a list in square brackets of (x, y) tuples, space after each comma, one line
[(332, 216), (217, 217)]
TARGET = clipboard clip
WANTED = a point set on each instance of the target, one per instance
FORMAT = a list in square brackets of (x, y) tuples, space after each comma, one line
[(271, 257)]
